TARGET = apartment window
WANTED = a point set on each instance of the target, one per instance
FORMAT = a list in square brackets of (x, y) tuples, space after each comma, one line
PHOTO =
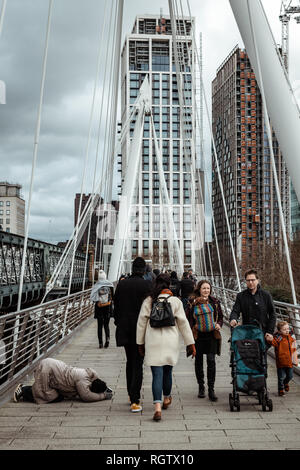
[(8, 221), (8, 212), (1, 212), (1, 203), (8, 229)]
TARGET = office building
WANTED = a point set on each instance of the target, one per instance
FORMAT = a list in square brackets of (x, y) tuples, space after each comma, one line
[(12, 209), (148, 52)]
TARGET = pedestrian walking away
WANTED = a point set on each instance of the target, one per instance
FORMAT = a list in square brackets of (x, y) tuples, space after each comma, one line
[(102, 295), (205, 316), (256, 306), (187, 286), (160, 344), (54, 381), (175, 284), (129, 296), (286, 355)]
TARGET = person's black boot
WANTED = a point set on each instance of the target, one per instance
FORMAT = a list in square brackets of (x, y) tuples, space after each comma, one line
[(211, 395), (106, 343), (201, 393)]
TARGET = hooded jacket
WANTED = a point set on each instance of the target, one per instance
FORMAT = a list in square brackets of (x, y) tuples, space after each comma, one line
[(53, 378)]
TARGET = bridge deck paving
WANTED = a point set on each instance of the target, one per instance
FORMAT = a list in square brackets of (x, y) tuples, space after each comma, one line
[(189, 424)]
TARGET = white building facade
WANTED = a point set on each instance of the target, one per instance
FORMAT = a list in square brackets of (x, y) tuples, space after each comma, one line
[(12, 209), (148, 52)]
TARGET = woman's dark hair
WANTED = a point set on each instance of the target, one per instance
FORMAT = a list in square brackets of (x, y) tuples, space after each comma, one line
[(173, 275), (161, 282), (196, 292), (185, 275), (98, 386)]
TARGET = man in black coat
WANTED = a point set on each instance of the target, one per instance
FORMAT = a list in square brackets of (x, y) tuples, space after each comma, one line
[(255, 305), (186, 289), (129, 296)]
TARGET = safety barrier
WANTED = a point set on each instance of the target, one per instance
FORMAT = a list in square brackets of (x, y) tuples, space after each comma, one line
[(29, 335)]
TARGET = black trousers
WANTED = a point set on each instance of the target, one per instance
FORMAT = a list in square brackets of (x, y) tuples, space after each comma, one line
[(103, 321), (211, 369), (28, 396), (134, 372)]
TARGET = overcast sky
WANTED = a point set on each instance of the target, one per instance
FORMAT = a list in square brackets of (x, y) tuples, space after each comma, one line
[(69, 84)]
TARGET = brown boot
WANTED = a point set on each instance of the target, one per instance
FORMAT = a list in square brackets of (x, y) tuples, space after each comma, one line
[(167, 402)]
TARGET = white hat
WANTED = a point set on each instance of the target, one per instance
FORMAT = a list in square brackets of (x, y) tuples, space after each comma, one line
[(102, 275)]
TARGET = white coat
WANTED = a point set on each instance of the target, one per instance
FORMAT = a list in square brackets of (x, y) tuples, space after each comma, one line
[(162, 345)]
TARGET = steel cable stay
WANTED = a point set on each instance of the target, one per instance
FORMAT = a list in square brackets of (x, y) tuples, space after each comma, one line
[(110, 133), (99, 236), (218, 167), (35, 152), (87, 147), (275, 176), (188, 153), (97, 149), (2, 14), (200, 234), (64, 262)]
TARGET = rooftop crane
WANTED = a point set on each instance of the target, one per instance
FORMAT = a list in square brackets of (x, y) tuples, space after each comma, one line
[(286, 11)]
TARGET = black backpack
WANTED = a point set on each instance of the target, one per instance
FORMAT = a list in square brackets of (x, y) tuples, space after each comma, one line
[(161, 313)]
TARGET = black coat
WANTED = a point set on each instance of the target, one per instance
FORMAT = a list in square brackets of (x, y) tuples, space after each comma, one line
[(129, 296), (257, 309), (187, 287)]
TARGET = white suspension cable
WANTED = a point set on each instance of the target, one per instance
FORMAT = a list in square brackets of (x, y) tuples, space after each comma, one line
[(87, 152), (200, 236), (2, 13), (218, 170), (183, 110), (105, 152), (269, 133), (96, 156), (35, 150)]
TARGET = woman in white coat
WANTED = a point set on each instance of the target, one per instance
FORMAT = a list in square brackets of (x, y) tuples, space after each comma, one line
[(161, 346)]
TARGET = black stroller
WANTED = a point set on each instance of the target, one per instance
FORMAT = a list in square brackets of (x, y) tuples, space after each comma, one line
[(248, 366)]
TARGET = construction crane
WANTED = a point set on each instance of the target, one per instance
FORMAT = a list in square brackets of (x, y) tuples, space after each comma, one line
[(286, 11)]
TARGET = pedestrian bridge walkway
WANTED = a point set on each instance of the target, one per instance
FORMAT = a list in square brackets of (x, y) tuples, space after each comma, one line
[(189, 424)]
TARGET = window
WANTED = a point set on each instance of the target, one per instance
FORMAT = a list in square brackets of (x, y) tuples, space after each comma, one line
[(1, 203), (8, 221), (8, 212)]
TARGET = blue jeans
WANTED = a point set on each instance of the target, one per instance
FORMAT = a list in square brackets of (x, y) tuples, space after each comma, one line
[(161, 382), (284, 374)]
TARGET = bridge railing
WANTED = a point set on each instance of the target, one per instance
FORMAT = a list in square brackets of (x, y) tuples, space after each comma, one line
[(284, 311), (29, 335)]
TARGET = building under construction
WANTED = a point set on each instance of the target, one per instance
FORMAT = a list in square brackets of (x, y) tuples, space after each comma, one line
[(243, 154)]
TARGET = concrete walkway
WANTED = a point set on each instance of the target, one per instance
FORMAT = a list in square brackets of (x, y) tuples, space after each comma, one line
[(189, 424)]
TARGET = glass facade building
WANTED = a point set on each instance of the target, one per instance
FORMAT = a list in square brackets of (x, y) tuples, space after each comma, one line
[(148, 52)]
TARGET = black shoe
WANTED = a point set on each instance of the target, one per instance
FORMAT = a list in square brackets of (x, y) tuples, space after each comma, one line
[(201, 393), (100, 345), (211, 395), (106, 344)]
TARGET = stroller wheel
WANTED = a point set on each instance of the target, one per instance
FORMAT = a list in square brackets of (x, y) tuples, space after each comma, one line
[(270, 404), (263, 403), (231, 402), (237, 403)]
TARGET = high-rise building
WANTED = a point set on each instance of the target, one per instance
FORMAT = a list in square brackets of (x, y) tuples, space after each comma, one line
[(148, 52), (243, 154), (103, 221), (12, 209)]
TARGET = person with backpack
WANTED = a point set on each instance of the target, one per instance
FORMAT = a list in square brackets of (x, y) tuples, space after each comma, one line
[(102, 295), (175, 284), (160, 321)]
